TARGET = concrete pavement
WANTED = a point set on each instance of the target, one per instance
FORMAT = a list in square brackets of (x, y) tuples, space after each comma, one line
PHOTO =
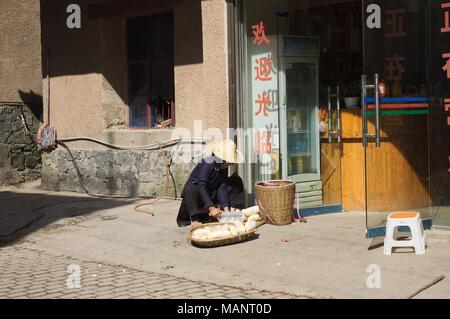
[(327, 257)]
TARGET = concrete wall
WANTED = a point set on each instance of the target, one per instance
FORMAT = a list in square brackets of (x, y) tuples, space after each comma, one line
[(114, 86), (20, 89), (88, 87), (75, 80), (88, 74), (202, 88), (20, 51)]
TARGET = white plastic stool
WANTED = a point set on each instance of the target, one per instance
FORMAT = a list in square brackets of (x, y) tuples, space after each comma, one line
[(408, 219)]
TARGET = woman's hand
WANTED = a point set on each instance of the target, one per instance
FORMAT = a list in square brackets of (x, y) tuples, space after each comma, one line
[(214, 212)]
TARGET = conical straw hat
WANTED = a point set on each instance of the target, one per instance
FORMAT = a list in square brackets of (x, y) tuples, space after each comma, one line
[(227, 151)]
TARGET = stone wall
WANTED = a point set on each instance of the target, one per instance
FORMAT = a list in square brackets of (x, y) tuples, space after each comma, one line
[(131, 173), (19, 158)]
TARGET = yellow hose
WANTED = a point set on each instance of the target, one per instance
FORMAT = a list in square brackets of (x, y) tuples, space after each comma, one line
[(162, 194)]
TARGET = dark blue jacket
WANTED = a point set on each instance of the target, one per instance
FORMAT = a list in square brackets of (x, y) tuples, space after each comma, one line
[(210, 181)]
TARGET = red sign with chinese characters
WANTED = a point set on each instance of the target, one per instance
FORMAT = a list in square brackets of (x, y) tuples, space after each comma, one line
[(263, 81), (264, 69), (259, 34)]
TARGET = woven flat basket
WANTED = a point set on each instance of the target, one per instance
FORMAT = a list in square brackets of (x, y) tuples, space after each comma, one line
[(208, 243), (276, 201)]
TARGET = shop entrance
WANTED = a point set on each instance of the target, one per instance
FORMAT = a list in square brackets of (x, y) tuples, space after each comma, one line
[(350, 98), (395, 111), (311, 53)]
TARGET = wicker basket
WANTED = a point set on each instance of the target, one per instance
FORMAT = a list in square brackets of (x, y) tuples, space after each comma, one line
[(276, 201), (208, 243)]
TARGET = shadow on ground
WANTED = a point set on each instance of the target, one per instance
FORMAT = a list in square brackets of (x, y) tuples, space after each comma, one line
[(24, 213)]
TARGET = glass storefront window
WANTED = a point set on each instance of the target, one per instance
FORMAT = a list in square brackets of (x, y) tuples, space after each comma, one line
[(284, 110), (439, 131), (302, 70)]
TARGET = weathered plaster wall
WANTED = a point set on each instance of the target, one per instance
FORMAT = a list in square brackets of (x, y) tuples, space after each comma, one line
[(113, 69), (202, 89), (20, 51), (20, 90), (88, 94), (88, 73), (75, 84)]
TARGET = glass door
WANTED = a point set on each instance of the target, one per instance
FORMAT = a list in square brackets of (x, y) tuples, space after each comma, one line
[(439, 38), (395, 111)]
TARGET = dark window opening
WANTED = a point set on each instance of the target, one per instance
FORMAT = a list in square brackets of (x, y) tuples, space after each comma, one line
[(151, 97)]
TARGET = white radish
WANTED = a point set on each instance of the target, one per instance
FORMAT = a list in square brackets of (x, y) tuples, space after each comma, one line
[(255, 218), (250, 211), (250, 225)]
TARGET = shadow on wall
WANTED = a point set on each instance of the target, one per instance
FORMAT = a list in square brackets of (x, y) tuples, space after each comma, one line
[(99, 47), (34, 102), (24, 213)]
